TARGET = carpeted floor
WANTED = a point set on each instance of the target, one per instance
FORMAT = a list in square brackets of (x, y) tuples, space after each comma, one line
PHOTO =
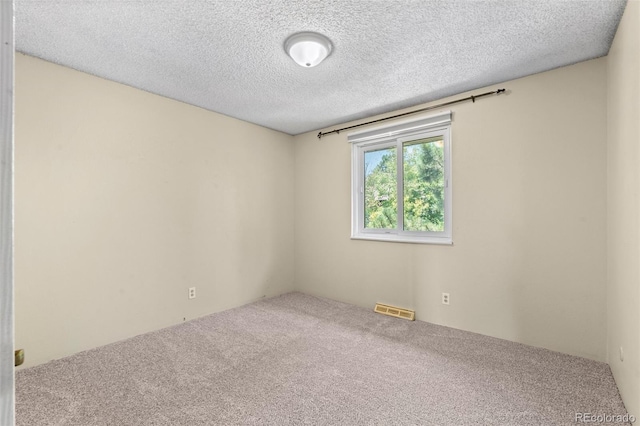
[(298, 359)]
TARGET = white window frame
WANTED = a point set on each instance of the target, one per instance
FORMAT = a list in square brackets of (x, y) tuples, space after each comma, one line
[(395, 135)]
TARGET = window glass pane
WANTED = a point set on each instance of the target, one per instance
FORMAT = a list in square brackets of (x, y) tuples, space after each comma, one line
[(423, 165), (380, 189)]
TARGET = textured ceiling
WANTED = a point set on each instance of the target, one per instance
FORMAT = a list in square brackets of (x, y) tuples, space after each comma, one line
[(228, 56)]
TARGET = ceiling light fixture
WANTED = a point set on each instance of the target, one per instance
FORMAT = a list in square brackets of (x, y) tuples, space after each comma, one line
[(308, 49)]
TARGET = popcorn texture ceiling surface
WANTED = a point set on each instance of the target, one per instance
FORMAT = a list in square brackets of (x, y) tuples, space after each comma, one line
[(228, 56)]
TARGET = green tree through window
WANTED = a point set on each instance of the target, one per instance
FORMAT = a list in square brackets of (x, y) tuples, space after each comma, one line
[(423, 182), (424, 185), (381, 189)]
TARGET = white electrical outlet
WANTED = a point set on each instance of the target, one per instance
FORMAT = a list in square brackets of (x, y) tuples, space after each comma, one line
[(445, 298), (621, 354), (192, 292)]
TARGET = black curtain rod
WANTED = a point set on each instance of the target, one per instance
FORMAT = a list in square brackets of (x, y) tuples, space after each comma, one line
[(471, 98)]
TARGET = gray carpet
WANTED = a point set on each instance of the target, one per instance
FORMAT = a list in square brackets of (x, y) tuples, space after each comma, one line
[(298, 359)]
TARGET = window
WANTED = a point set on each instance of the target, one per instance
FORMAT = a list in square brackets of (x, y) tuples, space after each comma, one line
[(401, 185)]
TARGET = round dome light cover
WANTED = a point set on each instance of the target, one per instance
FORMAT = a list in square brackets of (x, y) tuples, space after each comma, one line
[(308, 49)]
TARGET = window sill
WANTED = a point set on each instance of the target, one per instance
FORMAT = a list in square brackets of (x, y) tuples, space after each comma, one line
[(394, 238)]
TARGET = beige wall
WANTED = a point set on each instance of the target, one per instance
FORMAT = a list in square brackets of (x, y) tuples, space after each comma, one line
[(125, 199), (528, 262), (623, 76)]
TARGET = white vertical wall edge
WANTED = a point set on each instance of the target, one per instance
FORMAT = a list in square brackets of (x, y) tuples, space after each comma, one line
[(7, 55)]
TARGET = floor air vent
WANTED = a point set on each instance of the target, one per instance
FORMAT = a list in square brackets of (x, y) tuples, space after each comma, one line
[(394, 311)]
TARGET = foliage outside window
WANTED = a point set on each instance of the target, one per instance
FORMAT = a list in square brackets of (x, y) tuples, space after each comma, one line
[(413, 160)]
